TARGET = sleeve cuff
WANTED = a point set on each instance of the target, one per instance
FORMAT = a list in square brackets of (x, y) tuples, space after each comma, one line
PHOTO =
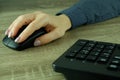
[(76, 15)]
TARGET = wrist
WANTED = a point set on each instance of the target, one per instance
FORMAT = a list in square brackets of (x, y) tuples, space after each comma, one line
[(65, 19)]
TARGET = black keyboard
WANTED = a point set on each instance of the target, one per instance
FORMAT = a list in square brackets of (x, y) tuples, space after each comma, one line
[(90, 60)]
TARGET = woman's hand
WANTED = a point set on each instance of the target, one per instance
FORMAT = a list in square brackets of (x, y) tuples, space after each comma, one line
[(56, 26)]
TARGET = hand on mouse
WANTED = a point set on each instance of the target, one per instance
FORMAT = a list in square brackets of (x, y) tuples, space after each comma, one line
[(56, 26)]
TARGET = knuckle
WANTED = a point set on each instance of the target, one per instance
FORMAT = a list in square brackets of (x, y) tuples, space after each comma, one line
[(44, 16), (41, 14), (21, 17)]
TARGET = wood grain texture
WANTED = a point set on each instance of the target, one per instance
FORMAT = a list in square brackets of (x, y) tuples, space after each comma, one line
[(36, 63)]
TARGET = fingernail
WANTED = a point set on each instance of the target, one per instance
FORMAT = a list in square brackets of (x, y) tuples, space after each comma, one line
[(17, 39), (10, 34), (37, 43)]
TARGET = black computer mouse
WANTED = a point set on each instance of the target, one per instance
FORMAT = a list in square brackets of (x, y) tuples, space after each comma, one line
[(10, 42)]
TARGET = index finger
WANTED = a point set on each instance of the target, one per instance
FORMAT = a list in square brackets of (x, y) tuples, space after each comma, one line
[(19, 22)]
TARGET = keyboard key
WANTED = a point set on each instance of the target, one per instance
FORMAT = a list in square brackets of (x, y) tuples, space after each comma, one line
[(113, 67), (82, 42), (91, 44), (97, 50), (94, 53), (73, 51), (117, 57), (110, 47), (91, 58), (102, 60), (106, 55), (107, 51), (87, 48), (71, 55), (99, 46), (116, 62), (81, 56), (84, 52)]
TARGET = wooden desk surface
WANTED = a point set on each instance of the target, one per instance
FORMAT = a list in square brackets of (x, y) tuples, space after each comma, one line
[(36, 63)]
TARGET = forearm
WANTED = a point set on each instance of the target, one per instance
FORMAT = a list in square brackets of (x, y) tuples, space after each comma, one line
[(92, 11)]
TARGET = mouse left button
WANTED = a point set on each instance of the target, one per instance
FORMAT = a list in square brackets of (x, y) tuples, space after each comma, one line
[(5, 40), (9, 42)]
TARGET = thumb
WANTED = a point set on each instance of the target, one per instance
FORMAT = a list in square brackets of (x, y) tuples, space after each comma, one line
[(48, 37)]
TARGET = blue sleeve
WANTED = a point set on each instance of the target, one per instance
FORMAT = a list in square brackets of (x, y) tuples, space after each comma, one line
[(92, 11)]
